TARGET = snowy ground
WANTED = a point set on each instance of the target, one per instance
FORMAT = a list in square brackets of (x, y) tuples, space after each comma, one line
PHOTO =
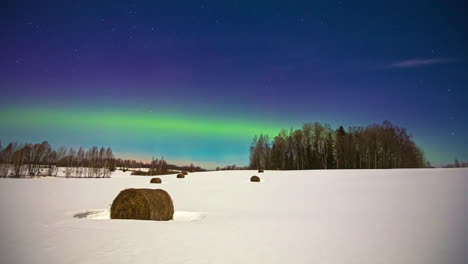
[(359, 216)]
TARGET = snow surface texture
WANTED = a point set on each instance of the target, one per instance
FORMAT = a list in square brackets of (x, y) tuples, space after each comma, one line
[(336, 216)]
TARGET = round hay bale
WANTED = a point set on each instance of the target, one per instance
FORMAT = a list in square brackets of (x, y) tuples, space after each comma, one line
[(155, 180), (254, 179), (180, 175), (143, 204), (184, 172), (260, 171)]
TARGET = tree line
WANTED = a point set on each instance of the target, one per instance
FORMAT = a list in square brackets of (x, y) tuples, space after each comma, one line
[(155, 167), (232, 167), (457, 164), (317, 146), (30, 160)]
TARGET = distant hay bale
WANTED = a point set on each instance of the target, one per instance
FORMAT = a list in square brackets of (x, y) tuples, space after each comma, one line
[(155, 180), (139, 173), (260, 171), (180, 175), (254, 179), (143, 204), (184, 172)]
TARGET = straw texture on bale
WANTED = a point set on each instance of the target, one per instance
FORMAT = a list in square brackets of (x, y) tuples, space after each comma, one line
[(180, 175), (254, 179), (143, 204), (155, 180), (260, 171)]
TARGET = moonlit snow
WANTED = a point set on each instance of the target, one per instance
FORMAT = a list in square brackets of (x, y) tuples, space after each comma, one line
[(336, 216)]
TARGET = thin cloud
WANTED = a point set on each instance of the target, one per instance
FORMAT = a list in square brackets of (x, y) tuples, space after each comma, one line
[(412, 63)]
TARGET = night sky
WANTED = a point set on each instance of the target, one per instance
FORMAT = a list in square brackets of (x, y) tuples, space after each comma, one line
[(195, 80)]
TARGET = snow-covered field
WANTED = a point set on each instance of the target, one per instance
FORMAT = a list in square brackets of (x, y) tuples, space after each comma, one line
[(342, 216)]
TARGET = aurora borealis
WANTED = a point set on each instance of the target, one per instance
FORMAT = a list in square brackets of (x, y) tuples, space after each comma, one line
[(139, 134), (196, 80)]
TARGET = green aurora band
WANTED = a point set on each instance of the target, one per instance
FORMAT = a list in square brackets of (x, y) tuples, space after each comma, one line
[(138, 134), (127, 121)]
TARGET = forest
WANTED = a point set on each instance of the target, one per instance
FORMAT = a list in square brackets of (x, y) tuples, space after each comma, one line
[(317, 146), (31, 160)]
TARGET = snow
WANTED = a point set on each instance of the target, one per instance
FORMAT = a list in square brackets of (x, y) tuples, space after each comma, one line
[(335, 216)]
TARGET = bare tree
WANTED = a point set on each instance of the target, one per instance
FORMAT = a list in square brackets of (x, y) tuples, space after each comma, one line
[(80, 159), (52, 161), (7, 156), (18, 160)]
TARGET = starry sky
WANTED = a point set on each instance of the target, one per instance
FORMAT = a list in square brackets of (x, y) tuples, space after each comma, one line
[(193, 81)]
